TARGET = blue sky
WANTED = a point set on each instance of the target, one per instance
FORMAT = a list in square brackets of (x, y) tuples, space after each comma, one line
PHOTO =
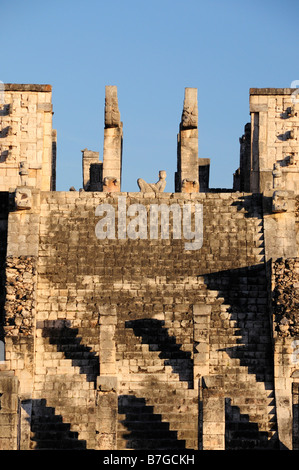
[(151, 50)]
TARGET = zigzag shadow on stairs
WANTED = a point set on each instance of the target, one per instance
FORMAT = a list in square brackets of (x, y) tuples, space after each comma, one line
[(49, 432), (146, 429), (69, 343), (244, 292), (241, 434), (154, 334)]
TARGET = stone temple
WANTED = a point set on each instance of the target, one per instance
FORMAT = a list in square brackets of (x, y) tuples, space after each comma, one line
[(149, 320)]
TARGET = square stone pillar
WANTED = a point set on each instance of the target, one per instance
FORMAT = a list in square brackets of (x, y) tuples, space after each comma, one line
[(113, 142), (107, 347), (186, 177), (107, 395), (9, 412), (107, 412), (201, 320), (213, 414)]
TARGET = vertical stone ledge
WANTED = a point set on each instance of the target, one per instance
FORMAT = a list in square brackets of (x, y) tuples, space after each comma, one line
[(106, 413), (9, 412), (201, 320), (107, 347), (213, 414)]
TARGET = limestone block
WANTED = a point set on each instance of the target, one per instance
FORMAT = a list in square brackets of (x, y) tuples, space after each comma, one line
[(112, 114), (190, 186), (111, 184), (190, 111), (280, 201), (23, 198)]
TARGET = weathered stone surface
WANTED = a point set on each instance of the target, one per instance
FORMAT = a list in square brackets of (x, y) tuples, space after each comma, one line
[(286, 297), (27, 112), (153, 187), (112, 114), (111, 184), (23, 198), (129, 340), (9, 409)]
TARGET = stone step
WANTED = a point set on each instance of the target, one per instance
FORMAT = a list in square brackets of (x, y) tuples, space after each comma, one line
[(134, 443), (50, 431), (58, 444)]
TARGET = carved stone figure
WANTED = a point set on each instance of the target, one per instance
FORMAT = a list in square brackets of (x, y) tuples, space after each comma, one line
[(190, 186), (23, 198), (23, 172), (277, 176), (280, 201), (153, 187), (111, 184)]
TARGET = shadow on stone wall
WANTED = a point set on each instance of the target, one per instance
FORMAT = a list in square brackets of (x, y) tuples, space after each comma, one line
[(245, 294), (49, 432), (153, 333), (69, 343), (146, 431), (241, 434), (252, 204)]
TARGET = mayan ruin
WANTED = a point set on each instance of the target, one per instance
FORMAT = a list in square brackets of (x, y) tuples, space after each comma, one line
[(149, 320)]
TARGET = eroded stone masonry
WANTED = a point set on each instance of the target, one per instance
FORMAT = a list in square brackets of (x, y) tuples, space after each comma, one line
[(124, 329)]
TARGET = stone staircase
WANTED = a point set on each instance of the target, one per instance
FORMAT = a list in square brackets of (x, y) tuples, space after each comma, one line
[(165, 412), (157, 408), (50, 432), (63, 412), (240, 352)]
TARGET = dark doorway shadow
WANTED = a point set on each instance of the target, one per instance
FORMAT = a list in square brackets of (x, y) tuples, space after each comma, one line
[(241, 434), (157, 337), (49, 432), (146, 431), (69, 343)]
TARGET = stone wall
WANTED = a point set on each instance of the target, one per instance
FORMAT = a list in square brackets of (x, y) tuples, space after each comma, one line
[(4, 205), (274, 139), (285, 303), (126, 329), (28, 146), (149, 314)]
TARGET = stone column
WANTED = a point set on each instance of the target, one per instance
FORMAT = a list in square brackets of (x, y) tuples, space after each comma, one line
[(107, 408), (186, 178), (113, 138), (213, 414), (107, 352), (9, 412), (107, 396), (201, 319)]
